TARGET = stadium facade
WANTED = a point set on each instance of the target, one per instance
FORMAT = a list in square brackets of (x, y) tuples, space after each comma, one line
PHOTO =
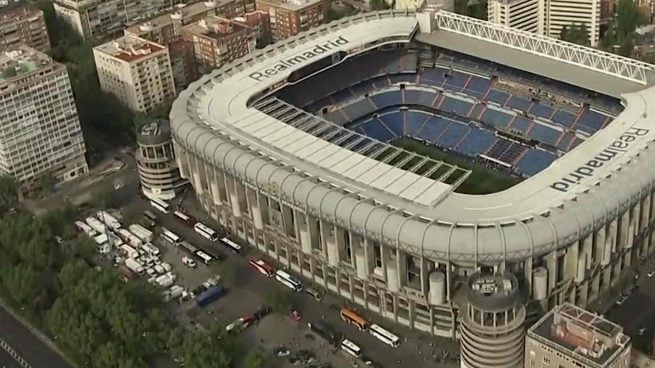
[(320, 189)]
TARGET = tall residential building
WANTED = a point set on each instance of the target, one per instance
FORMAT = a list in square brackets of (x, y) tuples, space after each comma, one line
[(20, 23), (260, 24), (98, 18), (135, 70), (290, 17), (521, 14), (217, 41), (548, 17), (39, 128), (155, 158), (569, 336)]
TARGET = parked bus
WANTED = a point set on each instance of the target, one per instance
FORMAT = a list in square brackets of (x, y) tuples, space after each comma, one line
[(150, 216), (263, 267), (288, 280), (232, 245), (323, 330), (188, 247), (141, 232), (351, 317), (205, 231), (351, 348), (385, 336), (83, 227), (96, 225), (183, 218), (206, 258), (151, 249), (159, 205), (170, 236), (109, 220)]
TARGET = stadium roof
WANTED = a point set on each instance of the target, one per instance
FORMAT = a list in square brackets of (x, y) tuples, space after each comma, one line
[(561, 204)]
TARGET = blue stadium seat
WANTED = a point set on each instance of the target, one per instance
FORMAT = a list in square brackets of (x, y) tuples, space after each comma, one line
[(415, 120), (585, 129), (433, 77), (359, 109), (431, 129), (452, 136), (456, 80), (499, 97), (541, 110), (563, 118), (566, 140), (386, 99), (521, 124), (496, 118), (478, 84), (545, 134), (534, 161), (402, 78), (375, 129), (477, 141), (418, 97), (592, 119), (519, 103), (456, 106), (394, 122)]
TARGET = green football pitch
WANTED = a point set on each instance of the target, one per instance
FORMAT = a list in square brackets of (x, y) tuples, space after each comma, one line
[(482, 180)]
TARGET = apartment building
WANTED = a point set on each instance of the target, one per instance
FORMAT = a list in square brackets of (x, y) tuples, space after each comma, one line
[(21, 23), (260, 24), (40, 130), (548, 17), (137, 71), (217, 41), (290, 17), (98, 18), (569, 336), (521, 14)]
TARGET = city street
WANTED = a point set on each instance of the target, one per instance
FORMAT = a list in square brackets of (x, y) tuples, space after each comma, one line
[(27, 344), (636, 314), (6, 361)]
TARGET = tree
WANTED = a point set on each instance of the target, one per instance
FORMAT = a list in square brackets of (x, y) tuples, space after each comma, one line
[(619, 36), (47, 183), (379, 5), (8, 190), (257, 358), (576, 33), (278, 300)]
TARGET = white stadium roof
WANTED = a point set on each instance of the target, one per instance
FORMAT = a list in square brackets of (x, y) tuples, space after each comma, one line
[(561, 204)]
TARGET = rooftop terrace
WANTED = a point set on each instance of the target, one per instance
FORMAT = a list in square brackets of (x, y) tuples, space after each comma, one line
[(581, 334), (292, 4), (21, 61), (129, 48)]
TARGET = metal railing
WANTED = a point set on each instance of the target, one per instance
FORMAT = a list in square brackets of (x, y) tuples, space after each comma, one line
[(6, 347)]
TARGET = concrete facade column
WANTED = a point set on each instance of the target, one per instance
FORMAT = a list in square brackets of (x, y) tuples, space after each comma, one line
[(304, 234), (332, 250), (234, 197), (624, 230), (361, 266)]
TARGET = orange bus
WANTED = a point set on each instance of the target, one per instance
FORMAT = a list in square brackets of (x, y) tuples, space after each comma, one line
[(351, 317)]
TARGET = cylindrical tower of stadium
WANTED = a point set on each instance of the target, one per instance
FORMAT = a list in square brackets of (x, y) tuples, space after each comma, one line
[(492, 333), (155, 159)]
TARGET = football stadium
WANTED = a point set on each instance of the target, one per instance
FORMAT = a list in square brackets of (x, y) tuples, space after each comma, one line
[(392, 156)]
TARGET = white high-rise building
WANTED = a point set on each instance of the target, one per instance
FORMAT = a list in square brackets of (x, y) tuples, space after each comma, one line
[(135, 70), (39, 128), (522, 14), (548, 17)]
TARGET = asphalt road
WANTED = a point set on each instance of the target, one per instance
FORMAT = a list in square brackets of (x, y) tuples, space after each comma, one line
[(419, 350), (6, 361), (27, 345), (636, 314)]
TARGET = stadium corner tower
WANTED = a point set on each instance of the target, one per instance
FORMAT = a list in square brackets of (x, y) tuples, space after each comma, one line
[(327, 152)]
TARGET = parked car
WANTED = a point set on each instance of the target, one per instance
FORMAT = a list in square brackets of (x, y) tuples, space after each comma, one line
[(318, 295), (651, 273), (189, 262)]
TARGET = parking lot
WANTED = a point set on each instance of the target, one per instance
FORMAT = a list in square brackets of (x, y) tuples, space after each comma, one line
[(249, 291)]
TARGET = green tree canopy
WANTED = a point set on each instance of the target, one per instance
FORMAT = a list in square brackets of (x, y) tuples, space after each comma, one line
[(576, 33)]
